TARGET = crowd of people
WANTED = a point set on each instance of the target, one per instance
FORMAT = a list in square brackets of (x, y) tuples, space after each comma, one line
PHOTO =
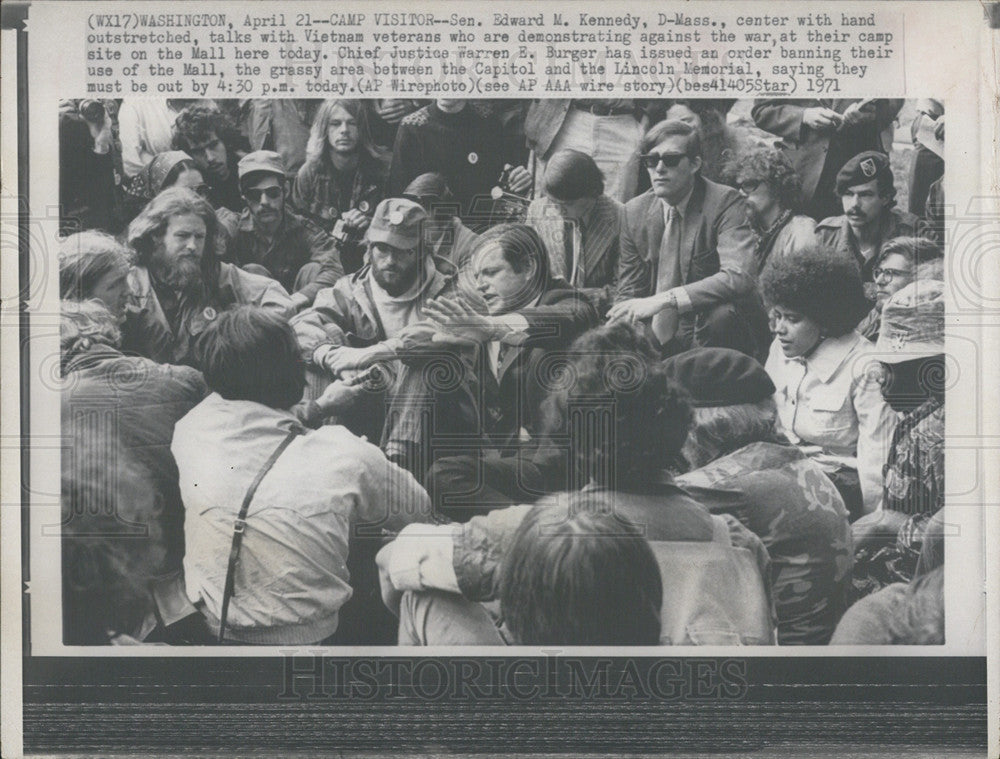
[(562, 372)]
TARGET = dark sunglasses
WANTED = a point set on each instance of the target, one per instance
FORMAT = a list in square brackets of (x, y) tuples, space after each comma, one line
[(202, 190), (254, 195), (652, 160)]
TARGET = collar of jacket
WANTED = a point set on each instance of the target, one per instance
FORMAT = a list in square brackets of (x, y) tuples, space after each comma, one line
[(830, 355)]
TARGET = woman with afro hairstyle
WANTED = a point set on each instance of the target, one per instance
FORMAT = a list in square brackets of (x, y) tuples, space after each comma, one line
[(828, 385)]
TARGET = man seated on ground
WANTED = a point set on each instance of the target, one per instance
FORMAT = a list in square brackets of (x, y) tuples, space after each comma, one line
[(273, 241), (625, 421), (445, 236), (311, 493), (204, 133), (868, 195), (741, 465), (771, 191), (901, 261), (518, 325), (911, 349), (94, 265), (580, 225), (178, 286), (375, 316), (687, 253)]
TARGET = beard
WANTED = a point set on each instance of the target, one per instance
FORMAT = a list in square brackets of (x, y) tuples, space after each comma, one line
[(395, 283), (184, 276)]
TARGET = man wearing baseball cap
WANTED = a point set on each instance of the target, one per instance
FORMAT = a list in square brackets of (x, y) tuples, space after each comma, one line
[(372, 317), (868, 195), (744, 467), (272, 240)]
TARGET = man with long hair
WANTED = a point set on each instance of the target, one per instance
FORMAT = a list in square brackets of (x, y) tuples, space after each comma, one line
[(178, 285)]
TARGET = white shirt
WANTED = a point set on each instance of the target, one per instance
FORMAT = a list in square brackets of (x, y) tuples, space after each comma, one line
[(292, 576), (831, 405)]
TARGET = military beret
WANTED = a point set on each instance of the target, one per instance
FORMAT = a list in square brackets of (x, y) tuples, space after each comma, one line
[(912, 323), (719, 377), (863, 168), (397, 223)]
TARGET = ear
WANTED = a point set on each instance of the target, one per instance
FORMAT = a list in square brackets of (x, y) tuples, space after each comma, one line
[(696, 162)]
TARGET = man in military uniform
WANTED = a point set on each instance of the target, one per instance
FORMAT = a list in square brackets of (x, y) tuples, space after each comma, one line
[(374, 316), (868, 195), (273, 241)]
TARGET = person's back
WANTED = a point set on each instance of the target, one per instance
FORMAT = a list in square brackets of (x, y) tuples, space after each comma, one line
[(292, 577), (787, 500), (283, 498)]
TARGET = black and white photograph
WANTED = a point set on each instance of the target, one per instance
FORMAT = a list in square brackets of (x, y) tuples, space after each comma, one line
[(541, 408)]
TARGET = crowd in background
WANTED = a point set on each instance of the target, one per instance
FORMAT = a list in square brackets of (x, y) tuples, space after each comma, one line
[(452, 372)]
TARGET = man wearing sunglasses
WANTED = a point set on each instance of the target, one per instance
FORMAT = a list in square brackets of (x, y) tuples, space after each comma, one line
[(273, 241), (686, 253)]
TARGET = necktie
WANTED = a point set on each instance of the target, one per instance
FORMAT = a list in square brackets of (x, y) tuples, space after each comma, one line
[(568, 258), (664, 324)]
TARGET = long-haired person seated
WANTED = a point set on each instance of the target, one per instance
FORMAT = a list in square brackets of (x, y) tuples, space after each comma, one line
[(122, 530), (828, 385), (623, 423), (316, 491)]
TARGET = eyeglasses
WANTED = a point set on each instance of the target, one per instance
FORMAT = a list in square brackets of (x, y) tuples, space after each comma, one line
[(202, 190), (879, 273), (749, 185), (670, 160), (254, 195)]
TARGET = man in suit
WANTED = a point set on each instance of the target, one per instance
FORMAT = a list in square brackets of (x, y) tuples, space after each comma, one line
[(821, 135), (580, 225), (687, 252), (519, 329)]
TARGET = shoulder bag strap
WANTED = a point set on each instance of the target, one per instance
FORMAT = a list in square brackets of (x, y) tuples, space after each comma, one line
[(238, 527)]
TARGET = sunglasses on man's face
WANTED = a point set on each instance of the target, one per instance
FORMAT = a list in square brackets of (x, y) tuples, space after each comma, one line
[(749, 185), (670, 160), (254, 195)]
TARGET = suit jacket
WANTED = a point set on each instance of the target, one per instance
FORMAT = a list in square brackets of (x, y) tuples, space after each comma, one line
[(597, 261), (511, 400), (810, 150), (717, 247)]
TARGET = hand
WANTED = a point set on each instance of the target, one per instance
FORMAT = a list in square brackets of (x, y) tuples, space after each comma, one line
[(461, 316), (299, 301), (392, 111), (355, 220), (939, 127), (858, 113), (344, 358), (639, 309), (821, 119), (337, 396), (518, 180)]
